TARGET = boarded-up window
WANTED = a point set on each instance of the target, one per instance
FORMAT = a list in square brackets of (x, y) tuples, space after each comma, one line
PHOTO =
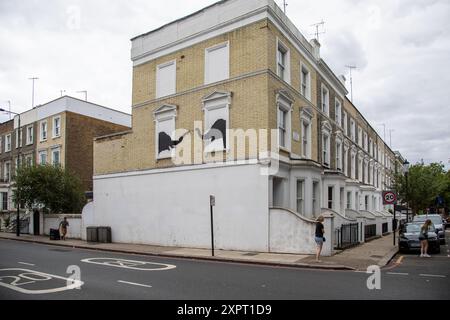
[(217, 64), (166, 78)]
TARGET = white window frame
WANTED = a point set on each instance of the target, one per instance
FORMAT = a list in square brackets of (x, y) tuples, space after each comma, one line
[(345, 122), (300, 198), (366, 141), (366, 171), (226, 44), (19, 137), (305, 84), (332, 197), (360, 167), (306, 116), (54, 133), (352, 130), (53, 151), (338, 112), (29, 160), (315, 198), (41, 132), (360, 137), (30, 137), (284, 107), (8, 143), (16, 164), (325, 105), (349, 200), (40, 153), (159, 90), (164, 113), (345, 159), (7, 177), (286, 74), (326, 144), (353, 162), (339, 155)]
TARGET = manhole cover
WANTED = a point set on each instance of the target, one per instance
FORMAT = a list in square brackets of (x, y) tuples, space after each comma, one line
[(250, 254), (60, 250)]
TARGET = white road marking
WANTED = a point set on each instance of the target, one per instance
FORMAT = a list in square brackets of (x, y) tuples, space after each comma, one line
[(27, 264), (432, 275), (134, 284), (26, 273), (398, 273), (129, 264)]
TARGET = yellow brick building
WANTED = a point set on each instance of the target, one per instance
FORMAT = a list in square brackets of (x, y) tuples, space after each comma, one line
[(238, 69)]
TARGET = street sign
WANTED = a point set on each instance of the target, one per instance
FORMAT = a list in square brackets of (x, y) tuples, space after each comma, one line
[(212, 201), (389, 197)]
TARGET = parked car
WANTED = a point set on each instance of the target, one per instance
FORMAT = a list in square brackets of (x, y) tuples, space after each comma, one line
[(409, 238), (438, 224)]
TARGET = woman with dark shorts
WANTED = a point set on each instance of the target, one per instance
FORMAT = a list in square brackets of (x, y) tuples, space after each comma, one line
[(423, 237), (319, 237)]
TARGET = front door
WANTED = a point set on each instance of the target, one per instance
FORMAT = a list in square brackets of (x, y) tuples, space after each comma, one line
[(36, 222)]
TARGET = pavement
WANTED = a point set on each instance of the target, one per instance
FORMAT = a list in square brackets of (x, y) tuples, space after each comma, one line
[(376, 252)]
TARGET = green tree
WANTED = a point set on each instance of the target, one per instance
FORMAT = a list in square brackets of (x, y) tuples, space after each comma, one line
[(425, 183), (54, 188)]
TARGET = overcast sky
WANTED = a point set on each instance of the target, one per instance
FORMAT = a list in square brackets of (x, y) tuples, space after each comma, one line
[(401, 49)]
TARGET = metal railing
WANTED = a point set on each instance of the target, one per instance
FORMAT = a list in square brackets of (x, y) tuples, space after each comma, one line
[(347, 236), (370, 231)]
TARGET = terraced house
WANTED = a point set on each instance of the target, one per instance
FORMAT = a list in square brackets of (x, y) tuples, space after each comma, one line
[(59, 132), (233, 101)]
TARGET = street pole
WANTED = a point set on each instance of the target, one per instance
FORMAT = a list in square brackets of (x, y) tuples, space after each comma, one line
[(212, 201), (394, 225), (407, 196), (17, 190)]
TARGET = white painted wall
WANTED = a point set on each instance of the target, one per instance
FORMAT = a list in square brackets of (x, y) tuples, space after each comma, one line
[(88, 219), (171, 208), (52, 221), (291, 233)]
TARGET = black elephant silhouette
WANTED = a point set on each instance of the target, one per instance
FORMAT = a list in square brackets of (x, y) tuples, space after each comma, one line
[(217, 131), (165, 142)]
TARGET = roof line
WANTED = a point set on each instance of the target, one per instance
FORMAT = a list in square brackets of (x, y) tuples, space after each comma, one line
[(66, 96), (180, 19)]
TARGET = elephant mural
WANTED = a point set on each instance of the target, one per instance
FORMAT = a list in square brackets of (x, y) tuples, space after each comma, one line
[(217, 131)]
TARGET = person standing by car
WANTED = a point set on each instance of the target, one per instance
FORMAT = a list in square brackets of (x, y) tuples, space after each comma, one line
[(319, 238), (423, 237)]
